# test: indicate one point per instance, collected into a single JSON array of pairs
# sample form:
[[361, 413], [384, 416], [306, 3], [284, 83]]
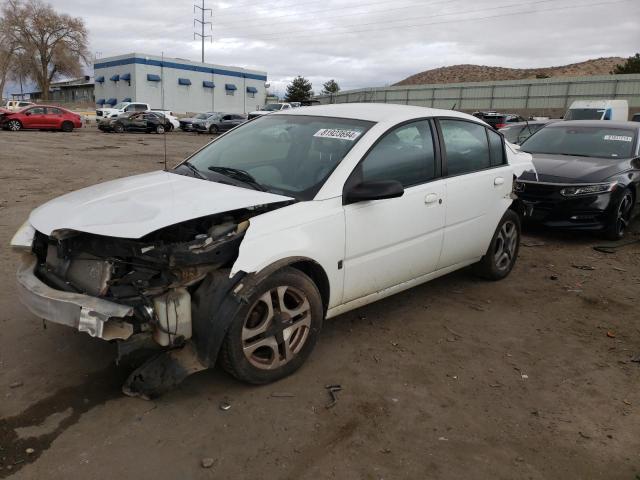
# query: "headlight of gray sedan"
[[23, 238], [588, 189]]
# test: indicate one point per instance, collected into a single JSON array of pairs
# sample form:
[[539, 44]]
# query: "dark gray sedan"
[[218, 122], [519, 132]]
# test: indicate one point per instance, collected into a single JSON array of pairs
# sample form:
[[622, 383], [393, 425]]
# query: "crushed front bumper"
[[95, 316]]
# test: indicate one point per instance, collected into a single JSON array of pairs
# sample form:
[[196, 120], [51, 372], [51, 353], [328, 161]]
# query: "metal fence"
[[548, 96]]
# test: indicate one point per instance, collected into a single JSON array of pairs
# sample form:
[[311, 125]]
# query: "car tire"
[[67, 127], [621, 215], [502, 253], [118, 128], [213, 130], [159, 129], [255, 349], [14, 125]]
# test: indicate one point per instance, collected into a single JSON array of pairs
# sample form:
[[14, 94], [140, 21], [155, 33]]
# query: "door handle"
[[430, 198], [498, 181]]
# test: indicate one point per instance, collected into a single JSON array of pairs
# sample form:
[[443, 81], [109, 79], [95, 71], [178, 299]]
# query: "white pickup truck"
[[121, 108], [271, 107]]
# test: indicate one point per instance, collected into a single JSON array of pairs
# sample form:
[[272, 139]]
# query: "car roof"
[[596, 123], [375, 112], [531, 122]]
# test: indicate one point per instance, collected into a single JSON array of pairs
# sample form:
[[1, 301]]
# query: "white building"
[[186, 86]]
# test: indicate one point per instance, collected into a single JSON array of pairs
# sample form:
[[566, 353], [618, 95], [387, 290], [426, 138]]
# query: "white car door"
[[477, 179], [395, 240]]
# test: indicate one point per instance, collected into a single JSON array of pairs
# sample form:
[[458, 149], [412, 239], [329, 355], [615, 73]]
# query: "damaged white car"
[[239, 253]]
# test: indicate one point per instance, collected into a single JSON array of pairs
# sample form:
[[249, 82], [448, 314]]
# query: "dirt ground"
[[534, 377]]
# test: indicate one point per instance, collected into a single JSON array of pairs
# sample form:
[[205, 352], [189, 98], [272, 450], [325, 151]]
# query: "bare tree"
[[7, 57], [48, 44]]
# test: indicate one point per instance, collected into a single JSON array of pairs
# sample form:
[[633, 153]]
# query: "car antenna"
[[164, 132]]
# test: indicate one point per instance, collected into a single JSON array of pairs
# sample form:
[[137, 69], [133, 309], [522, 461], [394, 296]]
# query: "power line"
[[518, 4], [348, 7], [510, 14], [271, 24]]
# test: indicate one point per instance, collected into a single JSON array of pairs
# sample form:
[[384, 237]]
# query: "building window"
[[251, 92]]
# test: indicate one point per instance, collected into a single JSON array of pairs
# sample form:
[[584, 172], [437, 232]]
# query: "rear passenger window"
[[466, 146], [405, 154], [496, 149]]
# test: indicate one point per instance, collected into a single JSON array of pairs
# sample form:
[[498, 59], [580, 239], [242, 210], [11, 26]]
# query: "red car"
[[42, 117]]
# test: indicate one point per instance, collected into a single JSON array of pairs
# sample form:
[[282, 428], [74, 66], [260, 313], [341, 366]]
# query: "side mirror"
[[27, 113], [374, 190]]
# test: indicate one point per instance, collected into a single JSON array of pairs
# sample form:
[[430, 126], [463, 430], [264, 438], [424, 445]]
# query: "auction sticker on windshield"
[[350, 135], [618, 138]]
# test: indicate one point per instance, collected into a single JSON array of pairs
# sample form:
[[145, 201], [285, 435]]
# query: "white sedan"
[[240, 252]]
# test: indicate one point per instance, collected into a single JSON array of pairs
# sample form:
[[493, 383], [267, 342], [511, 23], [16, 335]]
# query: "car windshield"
[[273, 107], [285, 154], [584, 114], [519, 133], [601, 142], [120, 106]]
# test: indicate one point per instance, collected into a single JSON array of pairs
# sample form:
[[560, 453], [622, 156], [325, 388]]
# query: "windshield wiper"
[[195, 170], [240, 175]]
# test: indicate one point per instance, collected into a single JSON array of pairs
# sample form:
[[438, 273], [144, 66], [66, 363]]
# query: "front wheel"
[[621, 217], [118, 128], [213, 129], [501, 255], [272, 335], [14, 125], [159, 129]]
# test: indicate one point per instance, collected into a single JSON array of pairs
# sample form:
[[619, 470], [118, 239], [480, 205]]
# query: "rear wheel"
[[621, 216], [67, 127], [14, 125], [501, 255], [272, 334]]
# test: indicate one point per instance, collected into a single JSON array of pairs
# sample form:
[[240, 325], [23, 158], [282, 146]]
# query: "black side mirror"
[[374, 190]]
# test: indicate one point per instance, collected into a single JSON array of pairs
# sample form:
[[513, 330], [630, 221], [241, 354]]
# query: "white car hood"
[[259, 112], [132, 207]]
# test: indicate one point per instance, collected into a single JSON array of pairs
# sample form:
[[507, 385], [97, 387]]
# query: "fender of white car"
[[312, 230]]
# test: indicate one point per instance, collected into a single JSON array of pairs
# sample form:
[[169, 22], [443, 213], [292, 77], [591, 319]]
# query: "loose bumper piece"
[[95, 316]]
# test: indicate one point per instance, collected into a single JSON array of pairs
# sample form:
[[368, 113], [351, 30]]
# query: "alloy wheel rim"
[[624, 213], [276, 327], [506, 244], [14, 126]]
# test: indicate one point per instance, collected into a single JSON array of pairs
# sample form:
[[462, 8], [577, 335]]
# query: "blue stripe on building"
[[178, 66]]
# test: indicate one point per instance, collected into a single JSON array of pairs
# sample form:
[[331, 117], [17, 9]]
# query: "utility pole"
[[202, 23]]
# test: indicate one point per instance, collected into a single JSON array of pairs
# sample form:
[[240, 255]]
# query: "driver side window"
[[405, 154]]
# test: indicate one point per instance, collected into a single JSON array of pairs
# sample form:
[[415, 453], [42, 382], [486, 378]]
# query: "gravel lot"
[[531, 378]]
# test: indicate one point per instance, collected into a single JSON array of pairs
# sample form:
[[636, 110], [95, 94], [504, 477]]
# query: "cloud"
[[392, 40]]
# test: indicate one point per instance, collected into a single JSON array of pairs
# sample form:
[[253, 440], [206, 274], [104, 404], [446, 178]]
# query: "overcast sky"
[[364, 43]]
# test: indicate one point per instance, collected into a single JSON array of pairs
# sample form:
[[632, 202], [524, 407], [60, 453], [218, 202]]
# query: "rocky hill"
[[481, 73]]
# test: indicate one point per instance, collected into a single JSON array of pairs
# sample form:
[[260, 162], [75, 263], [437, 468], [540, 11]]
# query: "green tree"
[[631, 65], [299, 90], [51, 44], [330, 87]]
